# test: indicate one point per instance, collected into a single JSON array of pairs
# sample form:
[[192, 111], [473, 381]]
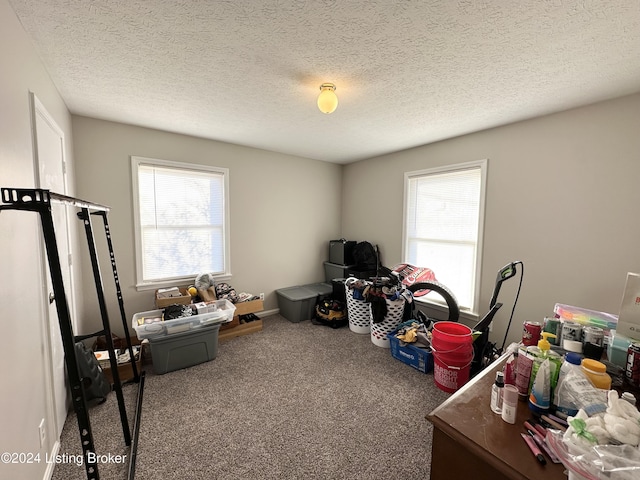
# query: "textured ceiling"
[[407, 72]]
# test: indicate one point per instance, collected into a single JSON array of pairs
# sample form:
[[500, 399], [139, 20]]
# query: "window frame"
[[445, 169], [136, 162]]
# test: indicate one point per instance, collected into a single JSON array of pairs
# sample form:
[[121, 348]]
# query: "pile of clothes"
[[415, 333], [377, 293]]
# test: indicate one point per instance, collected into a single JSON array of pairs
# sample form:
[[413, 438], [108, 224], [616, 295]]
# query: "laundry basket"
[[393, 318], [358, 311]]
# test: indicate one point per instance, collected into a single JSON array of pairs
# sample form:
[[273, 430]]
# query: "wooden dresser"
[[470, 441]]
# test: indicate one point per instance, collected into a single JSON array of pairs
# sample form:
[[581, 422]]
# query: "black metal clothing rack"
[[39, 201]]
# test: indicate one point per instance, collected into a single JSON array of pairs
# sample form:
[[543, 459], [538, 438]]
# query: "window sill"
[[177, 282]]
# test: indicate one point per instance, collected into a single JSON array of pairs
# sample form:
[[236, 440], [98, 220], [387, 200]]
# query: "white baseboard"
[[266, 313], [48, 474]]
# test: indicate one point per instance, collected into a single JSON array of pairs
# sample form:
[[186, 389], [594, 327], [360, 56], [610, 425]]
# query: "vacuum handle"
[[505, 273]]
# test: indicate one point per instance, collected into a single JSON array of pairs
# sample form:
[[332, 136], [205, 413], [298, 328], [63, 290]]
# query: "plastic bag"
[[576, 392], [600, 462]]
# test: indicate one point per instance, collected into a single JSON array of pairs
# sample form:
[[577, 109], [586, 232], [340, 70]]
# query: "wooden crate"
[[233, 323], [183, 299], [244, 308], [125, 371], [242, 329], [235, 328]]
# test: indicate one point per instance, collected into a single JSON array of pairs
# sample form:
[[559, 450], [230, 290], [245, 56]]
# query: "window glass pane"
[[170, 253], [450, 263]]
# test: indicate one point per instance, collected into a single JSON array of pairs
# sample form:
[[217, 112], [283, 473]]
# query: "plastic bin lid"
[[295, 294], [319, 288], [337, 265]]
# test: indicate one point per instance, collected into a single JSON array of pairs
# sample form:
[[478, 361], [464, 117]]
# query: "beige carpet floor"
[[294, 401]]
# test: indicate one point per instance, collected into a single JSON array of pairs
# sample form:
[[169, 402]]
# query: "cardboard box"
[[629, 317], [242, 329], [253, 306], [244, 308], [125, 370], [233, 323], [235, 328], [208, 295], [183, 299]]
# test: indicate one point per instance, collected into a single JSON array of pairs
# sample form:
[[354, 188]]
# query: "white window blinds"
[[443, 225], [181, 221]]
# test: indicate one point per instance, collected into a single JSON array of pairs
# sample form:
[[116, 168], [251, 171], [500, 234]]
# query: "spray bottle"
[[544, 375]]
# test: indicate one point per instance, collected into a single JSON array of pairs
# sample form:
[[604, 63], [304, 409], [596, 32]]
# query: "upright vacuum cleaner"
[[484, 351]]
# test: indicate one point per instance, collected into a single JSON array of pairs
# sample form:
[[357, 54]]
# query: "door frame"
[[37, 108]]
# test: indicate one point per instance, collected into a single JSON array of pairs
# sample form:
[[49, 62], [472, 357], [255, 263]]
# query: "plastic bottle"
[[540, 397], [509, 403], [563, 400], [510, 369], [541, 353], [572, 361], [596, 372], [544, 376], [496, 393], [544, 345]]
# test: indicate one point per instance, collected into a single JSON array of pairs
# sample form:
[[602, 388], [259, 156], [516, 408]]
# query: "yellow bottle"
[[597, 374]]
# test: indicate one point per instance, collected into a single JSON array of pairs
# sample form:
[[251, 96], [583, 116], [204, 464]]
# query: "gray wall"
[[562, 197], [23, 370], [284, 209]]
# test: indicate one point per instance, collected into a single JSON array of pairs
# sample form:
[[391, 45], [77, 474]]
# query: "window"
[[443, 221], [181, 221]]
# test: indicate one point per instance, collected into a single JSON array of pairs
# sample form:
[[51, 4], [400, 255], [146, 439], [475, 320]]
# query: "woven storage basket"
[[358, 311], [393, 318]]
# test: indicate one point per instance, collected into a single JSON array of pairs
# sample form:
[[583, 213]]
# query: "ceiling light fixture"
[[327, 100]]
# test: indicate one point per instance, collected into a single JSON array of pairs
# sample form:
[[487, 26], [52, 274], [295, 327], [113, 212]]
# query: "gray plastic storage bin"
[[296, 303], [334, 270], [320, 288], [184, 350], [151, 324]]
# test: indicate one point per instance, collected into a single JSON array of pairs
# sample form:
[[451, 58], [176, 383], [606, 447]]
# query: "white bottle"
[[496, 393], [509, 403]]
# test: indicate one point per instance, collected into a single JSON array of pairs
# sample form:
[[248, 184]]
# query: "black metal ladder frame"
[[39, 201]]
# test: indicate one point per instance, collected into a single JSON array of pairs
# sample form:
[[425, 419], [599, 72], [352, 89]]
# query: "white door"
[[50, 159]]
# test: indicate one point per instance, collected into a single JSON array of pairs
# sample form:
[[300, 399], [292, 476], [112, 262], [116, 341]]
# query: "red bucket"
[[452, 347]]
